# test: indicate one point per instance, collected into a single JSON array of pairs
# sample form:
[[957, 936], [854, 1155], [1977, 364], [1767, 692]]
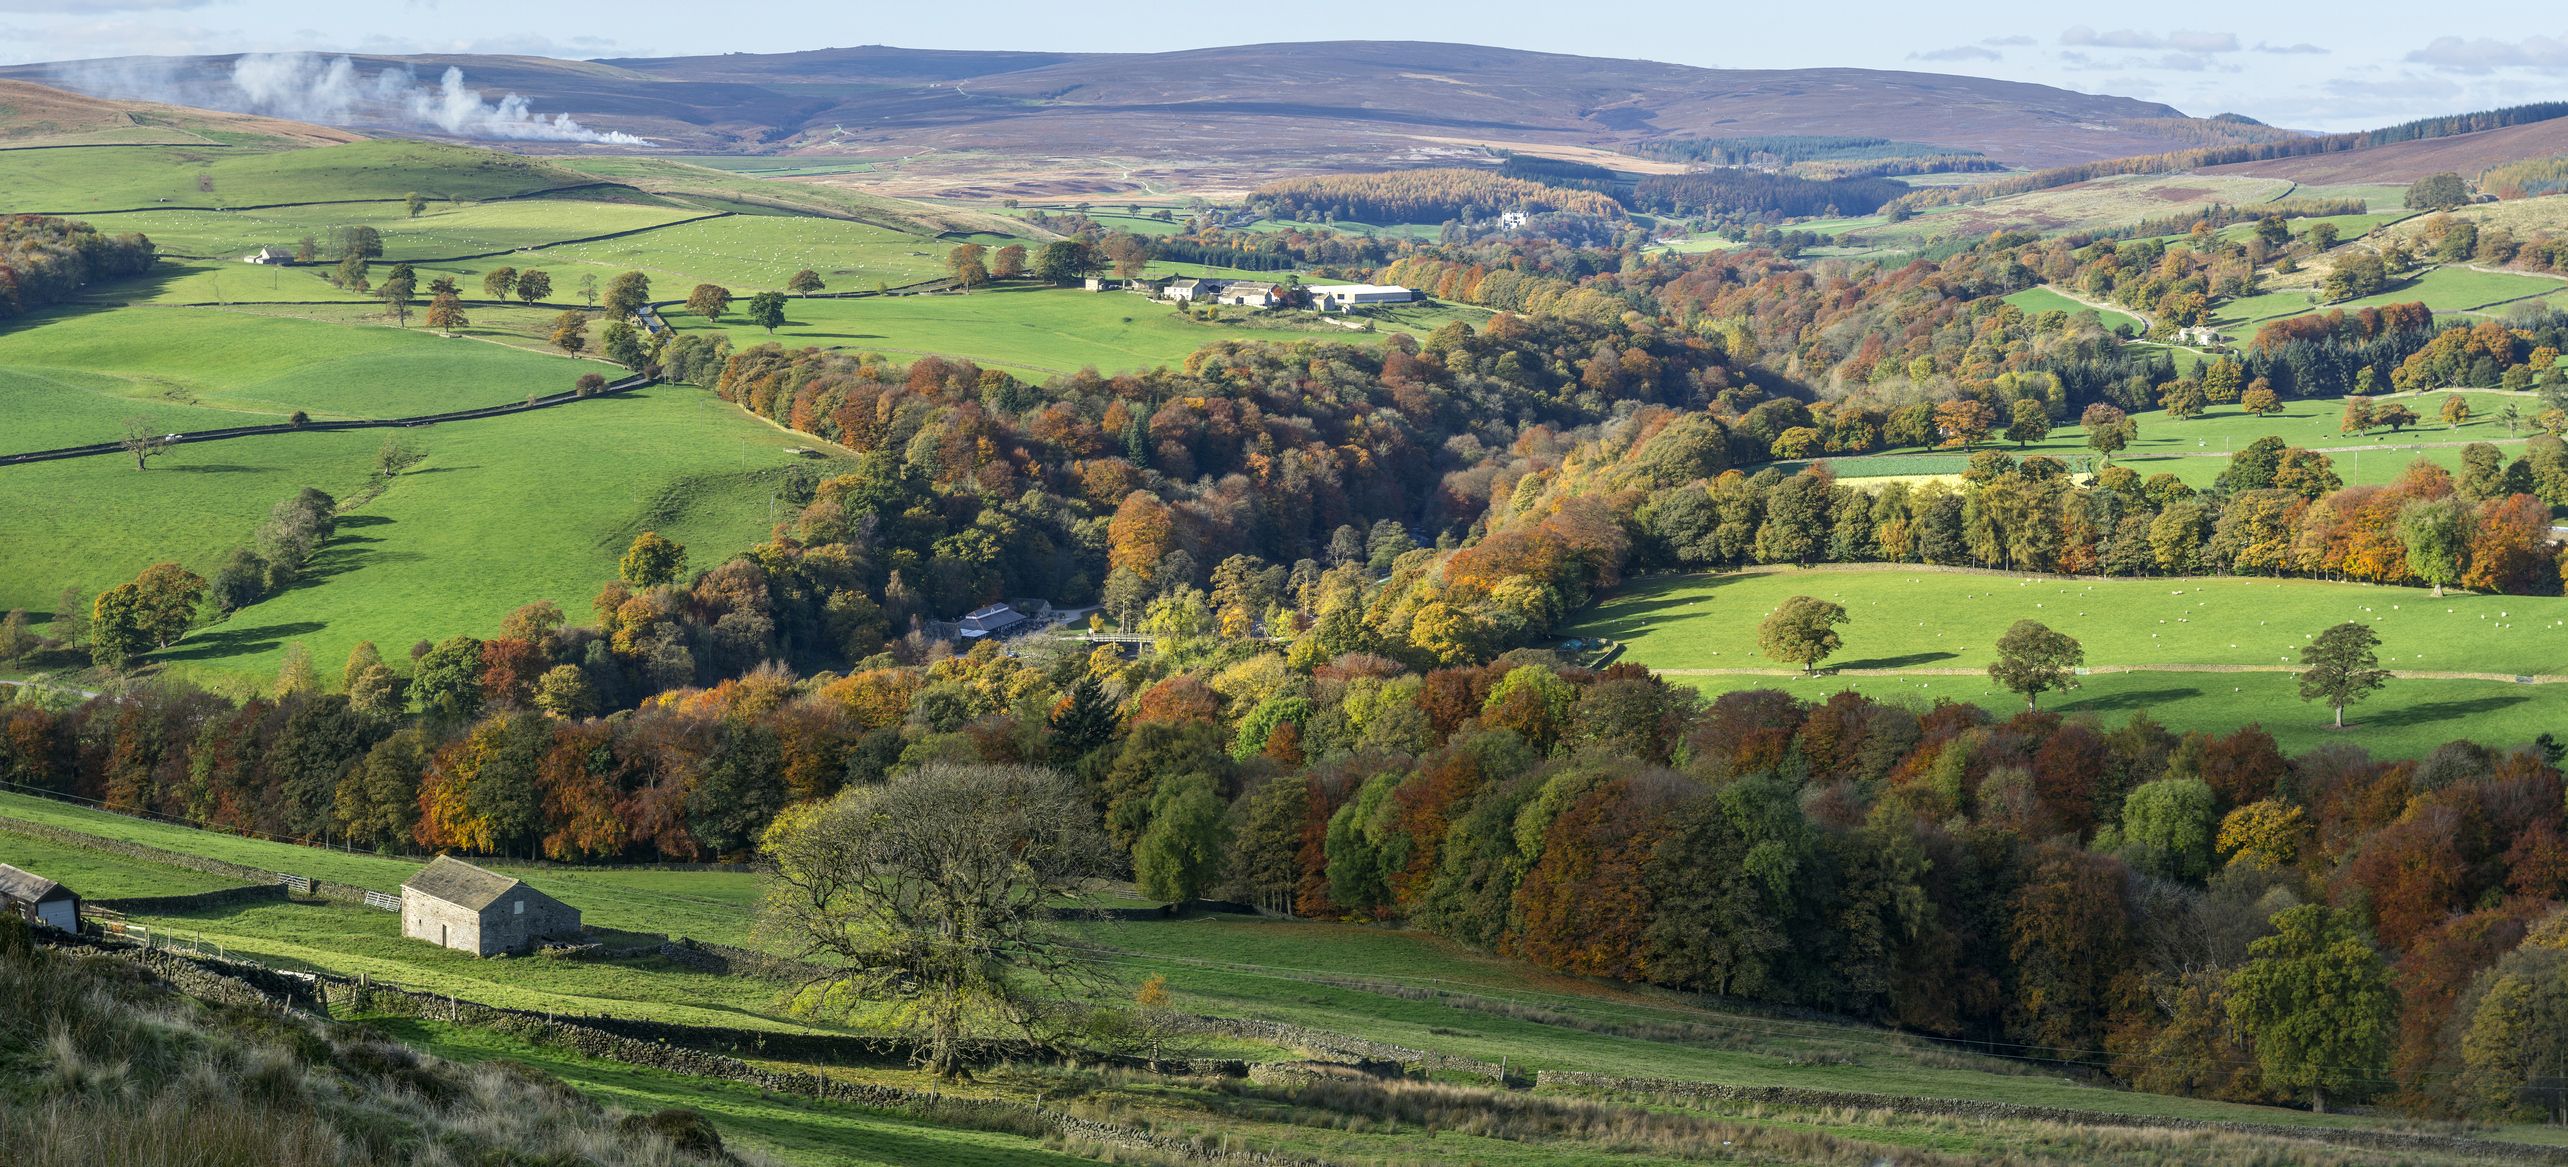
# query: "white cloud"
[[2018, 40], [2481, 54], [2304, 48], [84, 7], [1959, 53], [2181, 40]]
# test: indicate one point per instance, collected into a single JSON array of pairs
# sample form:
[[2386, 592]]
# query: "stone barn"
[[456, 905], [37, 900]]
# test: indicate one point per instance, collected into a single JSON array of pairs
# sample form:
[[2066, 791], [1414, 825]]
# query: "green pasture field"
[[1905, 618], [789, 1129], [2040, 300], [84, 180], [444, 229], [502, 512], [1041, 330], [746, 253], [2356, 467], [2309, 424], [675, 176], [2443, 289], [99, 875], [69, 377]]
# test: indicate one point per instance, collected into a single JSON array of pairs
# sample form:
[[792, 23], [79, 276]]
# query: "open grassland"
[[99, 875], [81, 180], [813, 194], [2175, 632], [69, 377], [1040, 330], [2443, 289], [2040, 300], [502, 512], [445, 229], [746, 253]]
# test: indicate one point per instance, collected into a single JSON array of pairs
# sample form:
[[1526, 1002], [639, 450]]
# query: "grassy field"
[[1037, 330], [2443, 289], [2039, 300], [69, 376], [2167, 628], [746, 253], [449, 548], [444, 229], [99, 875], [77, 180]]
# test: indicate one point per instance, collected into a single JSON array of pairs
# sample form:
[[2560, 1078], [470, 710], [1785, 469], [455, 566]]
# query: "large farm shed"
[[456, 905], [38, 900]]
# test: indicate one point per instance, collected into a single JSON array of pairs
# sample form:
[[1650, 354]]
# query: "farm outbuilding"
[[994, 620], [1249, 294], [1341, 297], [37, 900], [454, 904], [270, 256]]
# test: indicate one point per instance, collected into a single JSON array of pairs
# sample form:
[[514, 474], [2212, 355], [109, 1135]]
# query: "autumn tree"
[[2033, 660], [570, 332], [805, 282], [2357, 418], [2108, 430], [2315, 1001], [2340, 668], [1008, 263], [446, 313], [2456, 411], [652, 560], [1803, 631], [1964, 422], [967, 264], [2260, 400], [932, 897], [2183, 400], [709, 301], [500, 282], [1141, 533]]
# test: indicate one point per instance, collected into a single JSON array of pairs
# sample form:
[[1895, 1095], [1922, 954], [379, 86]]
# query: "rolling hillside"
[[1097, 123]]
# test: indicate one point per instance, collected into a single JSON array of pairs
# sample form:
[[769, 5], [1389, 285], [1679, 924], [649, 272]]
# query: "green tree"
[[2438, 192], [2183, 400], [499, 282], [652, 560], [2315, 1000], [2108, 430], [2514, 1053], [628, 294], [2028, 421], [352, 274], [2340, 668], [2437, 534], [2033, 660], [805, 282], [1803, 631], [2167, 827], [533, 284], [767, 311], [622, 344], [415, 203], [1181, 852], [1067, 261], [447, 681], [932, 897]]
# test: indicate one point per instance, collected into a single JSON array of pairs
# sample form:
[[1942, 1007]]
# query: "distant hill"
[[1210, 118], [41, 115], [2400, 162]]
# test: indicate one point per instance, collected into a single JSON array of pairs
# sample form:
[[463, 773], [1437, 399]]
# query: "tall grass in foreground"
[[102, 1064]]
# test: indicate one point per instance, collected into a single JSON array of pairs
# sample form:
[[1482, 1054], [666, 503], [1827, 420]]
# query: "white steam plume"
[[330, 90]]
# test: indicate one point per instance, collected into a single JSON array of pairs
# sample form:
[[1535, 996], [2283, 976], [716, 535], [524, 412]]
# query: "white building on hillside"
[[1340, 297]]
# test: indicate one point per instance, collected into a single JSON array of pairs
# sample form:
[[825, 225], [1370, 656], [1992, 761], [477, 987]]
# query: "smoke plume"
[[333, 91]]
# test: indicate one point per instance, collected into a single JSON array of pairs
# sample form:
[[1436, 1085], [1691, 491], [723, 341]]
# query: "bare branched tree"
[[936, 892]]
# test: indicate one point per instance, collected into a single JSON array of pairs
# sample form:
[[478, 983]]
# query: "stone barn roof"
[[29, 887], [459, 883]]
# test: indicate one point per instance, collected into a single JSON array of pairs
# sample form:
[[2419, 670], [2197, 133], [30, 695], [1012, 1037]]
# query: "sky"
[[2352, 64]]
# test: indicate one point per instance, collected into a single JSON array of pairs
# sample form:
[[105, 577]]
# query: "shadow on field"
[[360, 521], [2136, 699], [2433, 711], [1911, 660], [227, 641], [208, 468]]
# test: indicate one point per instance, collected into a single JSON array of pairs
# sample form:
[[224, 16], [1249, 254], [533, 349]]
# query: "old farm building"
[[38, 900], [457, 905]]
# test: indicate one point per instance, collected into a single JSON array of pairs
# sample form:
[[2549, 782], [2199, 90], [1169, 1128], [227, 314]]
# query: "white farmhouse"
[[1340, 297]]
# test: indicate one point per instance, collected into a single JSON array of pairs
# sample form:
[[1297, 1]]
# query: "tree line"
[[47, 260]]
